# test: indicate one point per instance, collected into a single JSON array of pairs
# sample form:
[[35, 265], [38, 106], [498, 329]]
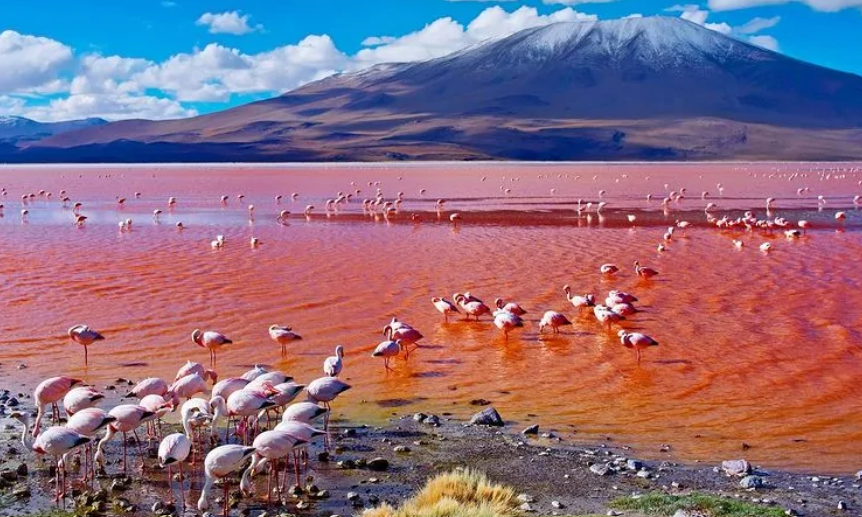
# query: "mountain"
[[16, 129], [649, 88]]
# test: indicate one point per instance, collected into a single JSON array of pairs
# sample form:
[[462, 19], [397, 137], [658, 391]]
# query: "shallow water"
[[755, 348]]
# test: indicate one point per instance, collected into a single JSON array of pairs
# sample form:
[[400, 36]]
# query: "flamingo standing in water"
[[554, 320], [404, 334], [80, 398], [174, 450], [445, 307], [304, 412], [387, 350], [219, 464], [50, 391], [211, 340], [84, 336], [643, 271], [332, 365], [270, 447], [606, 316], [325, 390], [247, 403], [59, 442], [283, 336], [471, 305], [512, 307], [88, 422], [301, 431], [608, 269], [579, 302], [637, 341], [196, 368], [507, 322]]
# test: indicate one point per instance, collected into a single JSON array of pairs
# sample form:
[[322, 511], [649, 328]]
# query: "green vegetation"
[[462, 493], [657, 503]]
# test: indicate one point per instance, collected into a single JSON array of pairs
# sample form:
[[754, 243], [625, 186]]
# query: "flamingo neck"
[[100, 455], [245, 481], [205, 494]]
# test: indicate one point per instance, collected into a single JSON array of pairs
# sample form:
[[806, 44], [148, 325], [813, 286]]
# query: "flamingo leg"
[[86, 358], [125, 471], [170, 485], [295, 468], [226, 496], [182, 489], [272, 466], [639, 356]]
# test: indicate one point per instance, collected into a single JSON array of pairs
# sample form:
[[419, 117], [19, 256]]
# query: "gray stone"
[[420, 417], [22, 469], [432, 420], [526, 507], [401, 449], [751, 482], [736, 467], [378, 464], [842, 505], [634, 464], [525, 498], [488, 417], [533, 429], [558, 505], [600, 469]]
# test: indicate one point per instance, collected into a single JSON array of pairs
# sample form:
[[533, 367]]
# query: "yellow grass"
[[462, 493]]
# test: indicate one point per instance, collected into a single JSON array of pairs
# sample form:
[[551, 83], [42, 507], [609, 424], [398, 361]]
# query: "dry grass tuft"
[[462, 493]]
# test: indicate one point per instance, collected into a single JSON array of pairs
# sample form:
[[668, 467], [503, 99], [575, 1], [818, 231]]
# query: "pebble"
[[558, 505], [526, 507], [487, 417], [600, 469], [378, 464], [751, 482], [634, 464], [842, 505], [736, 467], [525, 498], [401, 449], [533, 429]]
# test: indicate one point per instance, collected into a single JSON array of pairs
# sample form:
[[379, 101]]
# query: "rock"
[[842, 505], [614, 513], [22, 492], [526, 507], [600, 469], [557, 505], [353, 497], [158, 508], [302, 505], [533, 429], [349, 432], [420, 417], [643, 474], [9, 475], [525, 498], [22, 469], [859, 475], [736, 467], [401, 449], [346, 464], [323, 456], [432, 420], [322, 494], [373, 499], [480, 402], [13, 402], [488, 417], [634, 464], [378, 464], [751, 482]]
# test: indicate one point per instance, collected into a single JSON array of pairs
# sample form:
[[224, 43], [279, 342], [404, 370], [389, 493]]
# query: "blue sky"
[[165, 59]]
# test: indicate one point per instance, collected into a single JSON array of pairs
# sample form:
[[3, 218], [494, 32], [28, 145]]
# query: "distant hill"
[[635, 89], [20, 129]]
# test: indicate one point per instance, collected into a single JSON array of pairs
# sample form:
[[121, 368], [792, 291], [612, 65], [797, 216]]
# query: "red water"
[[755, 348]]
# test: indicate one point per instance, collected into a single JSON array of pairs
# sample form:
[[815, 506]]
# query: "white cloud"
[[445, 35], [576, 2], [111, 107], [767, 42], [373, 41], [817, 5], [229, 22], [695, 14], [31, 63], [632, 16], [756, 25]]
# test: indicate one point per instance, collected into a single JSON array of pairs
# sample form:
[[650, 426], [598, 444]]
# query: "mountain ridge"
[[649, 88]]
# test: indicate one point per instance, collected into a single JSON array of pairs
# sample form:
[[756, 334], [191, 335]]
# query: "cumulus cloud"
[[445, 35], [576, 2], [818, 5], [756, 25], [767, 42], [111, 107], [747, 31], [31, 63], [230, 22]]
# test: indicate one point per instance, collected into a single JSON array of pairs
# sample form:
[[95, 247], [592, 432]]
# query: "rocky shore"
[[370, 465]]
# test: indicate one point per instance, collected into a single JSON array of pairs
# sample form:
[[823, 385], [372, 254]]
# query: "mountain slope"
[[649, 88]]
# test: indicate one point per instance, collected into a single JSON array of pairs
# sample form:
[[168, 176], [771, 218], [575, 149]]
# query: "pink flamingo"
[[606, 316], [507, 322], [283, 336], [270, 447], [637, 341], [405, 336], [148, 386], [301, 431], [472, 307], [88, 422], [643, 271], [196, 368], [84, 336], [609, 269], [219, 464], [387, 350], [81, 398], [332, 365], [325, 390], [128, 418], [304, 412], [554, 320], [161, 406], [187, 387], [445, 307], [211, 340], [50, 391], [247, 403], [195, 413], [174, 450], [579, 302], [512, 307], [59, 442]]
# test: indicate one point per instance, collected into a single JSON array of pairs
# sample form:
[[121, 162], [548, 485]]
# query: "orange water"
[[762, 349]]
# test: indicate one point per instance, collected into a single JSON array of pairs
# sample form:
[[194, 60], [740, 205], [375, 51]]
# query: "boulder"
[[487, 417]]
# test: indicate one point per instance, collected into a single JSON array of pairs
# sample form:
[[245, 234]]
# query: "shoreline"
[[552, 476]]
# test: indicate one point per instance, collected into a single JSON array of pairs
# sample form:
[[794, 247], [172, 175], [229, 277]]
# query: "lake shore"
[[551, 475]]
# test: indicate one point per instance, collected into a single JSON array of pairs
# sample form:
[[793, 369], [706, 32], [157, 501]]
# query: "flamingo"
[[766, 247], [608, 269], [512, 307], [606, 316], [471, 307], [579, 302], [332, 365], [445, 307], [247, 403], [148, 386], [325, 390], [196, 368], [637, 341], [554, 320], [211, 340], [128, 418], [387, 350], [271, 446], [195, 413], [270, 379], [187, 387], [84, 336], [302, 431], [644, 272], [404, 334], [88, 422], [51, 391], [159, 405], [804, 225], [59, 442], [304, 412], [174, 450], [81, 398], [615, 297], [220, 463], [254, 373], [283, 336], [506, 321]]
